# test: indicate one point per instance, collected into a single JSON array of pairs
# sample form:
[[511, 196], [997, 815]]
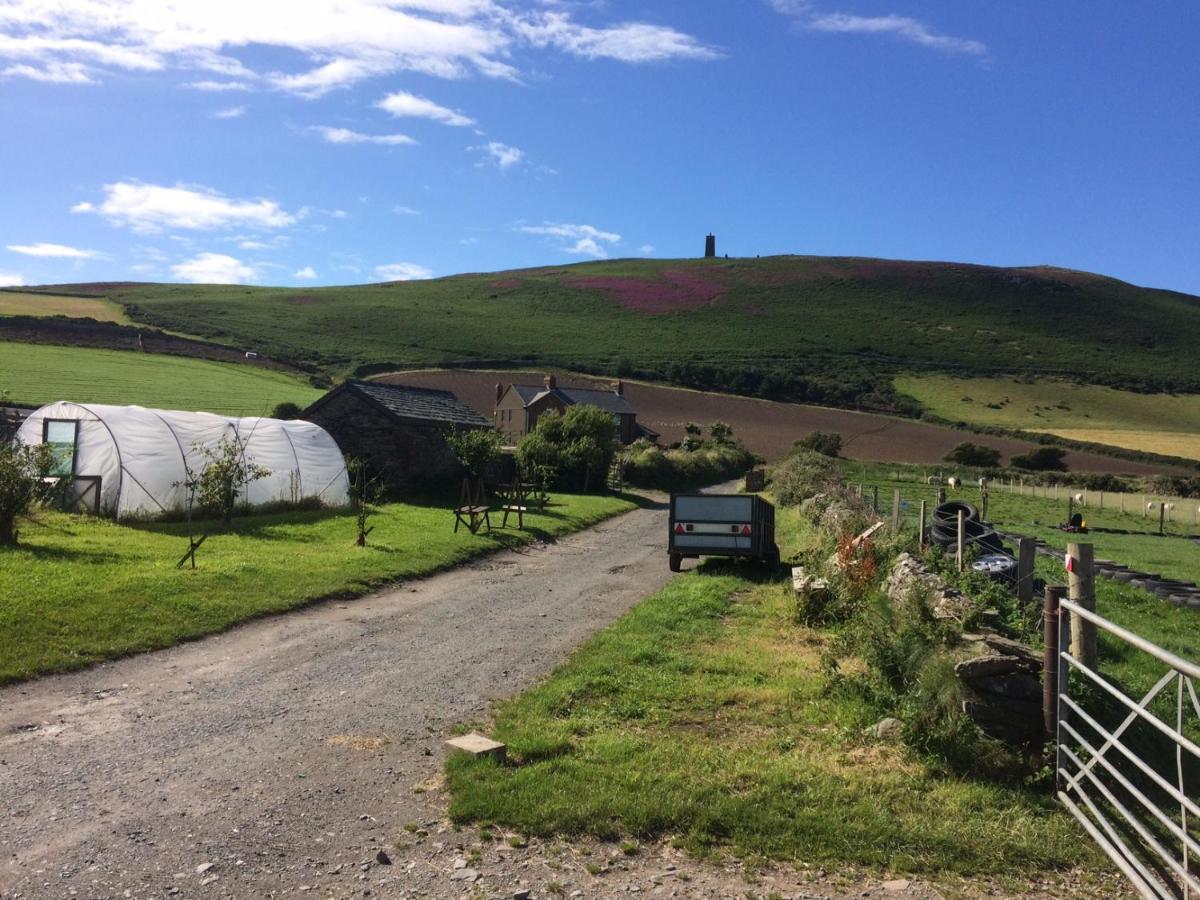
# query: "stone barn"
[[397, 430]]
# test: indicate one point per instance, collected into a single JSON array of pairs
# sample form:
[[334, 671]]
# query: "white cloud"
[[631, 42], [218, 86], [405, 210], [56, 251], [53, 72], [404, 271], [580, 240], [308, 273], [504, 156], [337, 42], [346, 136], [646, 250], [151, 208], [405, 105], [233, 112], [214, 268], [11, 279], [899, 27]]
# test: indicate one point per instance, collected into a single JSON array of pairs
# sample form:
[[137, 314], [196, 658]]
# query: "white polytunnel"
[[132, 461]]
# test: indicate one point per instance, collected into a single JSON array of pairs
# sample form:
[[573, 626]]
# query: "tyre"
[[675, 562]]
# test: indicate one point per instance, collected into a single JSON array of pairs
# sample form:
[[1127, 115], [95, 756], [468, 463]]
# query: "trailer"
[[721, 525]]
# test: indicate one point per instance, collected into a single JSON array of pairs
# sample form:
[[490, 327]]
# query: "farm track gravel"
[[290, 746]]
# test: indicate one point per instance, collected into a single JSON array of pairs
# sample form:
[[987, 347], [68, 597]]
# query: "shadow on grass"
[[752, 570]]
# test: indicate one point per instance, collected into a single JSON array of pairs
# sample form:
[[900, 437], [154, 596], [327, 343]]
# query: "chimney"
[[710, 246], [619, 387], [499, 391], [550, 382]]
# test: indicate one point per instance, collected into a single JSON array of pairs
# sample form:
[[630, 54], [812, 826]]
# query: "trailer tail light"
[[745, 531]]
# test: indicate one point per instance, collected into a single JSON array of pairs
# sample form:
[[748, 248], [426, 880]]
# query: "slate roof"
[[428, 404], [609, 401]]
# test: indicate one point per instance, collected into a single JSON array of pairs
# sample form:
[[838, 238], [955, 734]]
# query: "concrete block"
[[478, 745]]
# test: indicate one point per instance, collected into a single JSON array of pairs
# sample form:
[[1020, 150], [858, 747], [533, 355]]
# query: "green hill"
[[830, 330]]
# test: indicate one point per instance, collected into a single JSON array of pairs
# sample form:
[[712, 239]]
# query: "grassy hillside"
[[1161, 423], [30, 303], [39, 373], [829, 329]]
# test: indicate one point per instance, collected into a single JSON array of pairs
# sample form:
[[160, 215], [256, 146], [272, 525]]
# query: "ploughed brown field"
[[767, 427]]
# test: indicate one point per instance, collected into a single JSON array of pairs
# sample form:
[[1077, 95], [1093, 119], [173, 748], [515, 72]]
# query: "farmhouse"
[[399, 432], [519, 406]]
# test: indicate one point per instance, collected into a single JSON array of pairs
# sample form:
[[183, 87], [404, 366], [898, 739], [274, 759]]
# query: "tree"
[[1042, 459], [287, 410], [578, 445], [365, 494], [693, 437], [970, 454], [827, 443], [475, 448], [225, 474], [24, 483]]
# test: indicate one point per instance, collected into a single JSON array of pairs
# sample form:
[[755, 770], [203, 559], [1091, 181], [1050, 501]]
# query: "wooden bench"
[[473, 510]]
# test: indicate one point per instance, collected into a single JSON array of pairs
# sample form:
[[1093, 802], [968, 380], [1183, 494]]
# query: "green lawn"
[[42, 373], [1154, 423], [704, 713], [80, 590]]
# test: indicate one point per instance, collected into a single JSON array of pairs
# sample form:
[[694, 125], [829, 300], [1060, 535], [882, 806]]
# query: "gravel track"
[[251, 762]]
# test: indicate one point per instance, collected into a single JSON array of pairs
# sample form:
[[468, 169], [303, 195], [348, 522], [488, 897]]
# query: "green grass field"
[[704, 714], [81, 590], [1154, 423], [41, 373], [792, 313], [22, 303]]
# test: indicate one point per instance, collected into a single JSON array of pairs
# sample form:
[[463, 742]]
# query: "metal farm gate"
[[1132, 781]]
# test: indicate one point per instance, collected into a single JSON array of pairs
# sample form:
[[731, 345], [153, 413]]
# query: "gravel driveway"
[[249, 763]]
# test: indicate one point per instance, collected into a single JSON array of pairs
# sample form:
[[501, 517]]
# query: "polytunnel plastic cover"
[[142, 455]]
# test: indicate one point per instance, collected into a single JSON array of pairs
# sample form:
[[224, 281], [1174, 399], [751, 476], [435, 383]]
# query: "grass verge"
[[704, 714], [81, 590]]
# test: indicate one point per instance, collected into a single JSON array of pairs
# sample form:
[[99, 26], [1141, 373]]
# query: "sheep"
[[954, 481]]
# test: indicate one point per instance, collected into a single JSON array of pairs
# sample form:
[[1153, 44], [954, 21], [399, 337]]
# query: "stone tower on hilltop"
[[710, 246]]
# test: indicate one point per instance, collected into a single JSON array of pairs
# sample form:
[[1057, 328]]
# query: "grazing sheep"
[[954, 482], [934, 479], [983, 483], [1079, 498]]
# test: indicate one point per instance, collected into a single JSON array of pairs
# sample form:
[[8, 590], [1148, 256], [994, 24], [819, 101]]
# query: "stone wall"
[[406, 455]]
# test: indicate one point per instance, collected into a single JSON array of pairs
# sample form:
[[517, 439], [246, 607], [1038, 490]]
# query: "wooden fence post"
[[941, 496], [921, 533], [1162, 514], [896, 510], [1081, 562], [960, 544], [875, 498], [1026, 557]]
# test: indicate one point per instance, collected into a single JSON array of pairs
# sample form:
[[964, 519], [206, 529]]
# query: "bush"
[[476, 449], [827, 443], [575, 449], [24, 471], [978, 455], [674, 470], [802, 474], [287, 410], [1042, 459]]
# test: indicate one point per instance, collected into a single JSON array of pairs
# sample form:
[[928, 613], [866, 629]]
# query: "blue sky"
[[342, 141]]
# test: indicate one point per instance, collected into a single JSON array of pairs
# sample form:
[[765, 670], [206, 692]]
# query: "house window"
[[62, 435]]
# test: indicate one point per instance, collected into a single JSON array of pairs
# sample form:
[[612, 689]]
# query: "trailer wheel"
[[676, 562], [772, 559]]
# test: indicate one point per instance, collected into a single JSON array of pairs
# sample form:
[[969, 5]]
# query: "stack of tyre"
[[993, 559]]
